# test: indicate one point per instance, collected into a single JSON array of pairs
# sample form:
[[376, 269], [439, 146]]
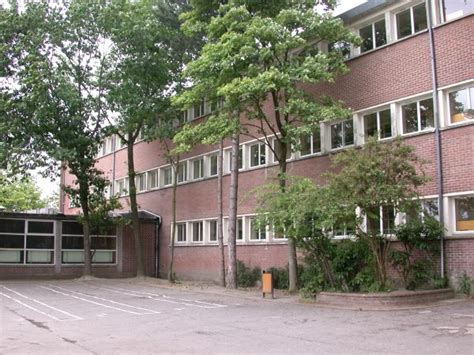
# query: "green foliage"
[[280, 277], [465, 284], [311, 280], [246, 276], [440, 282], [18, 195]]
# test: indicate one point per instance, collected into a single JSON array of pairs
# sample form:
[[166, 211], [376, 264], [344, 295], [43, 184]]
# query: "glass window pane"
[[72, 243], [457, 8], [305, 142], [103, 257], [316, 141], [373, 220], [181, 231], [39, 242], [72, 228], [464, 214], [380, 33], [39, 257], [404, 24], [341, 47], [103, 243], [348, 132], [410, 118], [385, 124], [197, 169], [240, 229], [370, 123], [213, 231], [426, 114], [12, 226], [72, 257], [367, 40], [388, 219], [197, 232], [182, 172], [336, 135], [458, 105], [12, 241], [419, 15], [11, 256], [213, 167]]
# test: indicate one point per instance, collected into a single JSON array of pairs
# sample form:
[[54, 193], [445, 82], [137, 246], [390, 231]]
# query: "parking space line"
[[165, 298], [89, 301], [30, 307], [149, 311], [43, 304]]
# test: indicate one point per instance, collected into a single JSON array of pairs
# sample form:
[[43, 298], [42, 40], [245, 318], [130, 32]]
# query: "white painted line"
[[107, 300], [463, 315], [28, 306], [43, 304], [89, 301]]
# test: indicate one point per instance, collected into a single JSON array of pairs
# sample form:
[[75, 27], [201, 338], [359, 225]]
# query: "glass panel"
[[72, 228], [426, 113], [240, 229], [380, 33], [373, 220], [103, 257], [11, 256], [167, 176], [12, 226], [103, 243], [419, 15], [72, 243], [257, 234], [404, 24], [367, 40], [181, 230], [197, 169], [370, 123], [39, 242], [254, 155], [457, 8], [197, 232], [39, 257], [182, 172], [348, 132], [464, 214], [72, 257], [459, 105], [305, 142], [410, 118], [388, 219], [277, 147], [213, 168], [153, 179], [336, 135], [12, 241], [385, 124], [316, 141], [213, 231], [430, 208], [343, 48]]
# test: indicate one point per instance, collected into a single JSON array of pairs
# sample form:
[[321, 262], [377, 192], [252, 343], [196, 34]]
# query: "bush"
[[311, 280], [247, 277], [465, 284], [280, 277]]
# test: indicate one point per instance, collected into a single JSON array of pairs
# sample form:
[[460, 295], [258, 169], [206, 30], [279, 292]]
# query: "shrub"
[[311, 280], [247, 277], [280, 277], [465, 284], [440, 282]]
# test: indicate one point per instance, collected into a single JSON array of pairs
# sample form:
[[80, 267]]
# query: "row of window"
[[380, 220], [33, 242]]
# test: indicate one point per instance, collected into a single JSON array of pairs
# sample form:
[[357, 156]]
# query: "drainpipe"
[[114, 153], [157, 246], [438, 151]]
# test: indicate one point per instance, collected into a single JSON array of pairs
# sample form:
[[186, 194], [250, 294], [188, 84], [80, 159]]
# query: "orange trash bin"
[[267, 283]]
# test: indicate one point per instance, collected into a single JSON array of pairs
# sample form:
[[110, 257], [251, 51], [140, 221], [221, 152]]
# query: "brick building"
[[390, 90]]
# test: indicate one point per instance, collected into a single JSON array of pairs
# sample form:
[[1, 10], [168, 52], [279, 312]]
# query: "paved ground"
[[138, 317]]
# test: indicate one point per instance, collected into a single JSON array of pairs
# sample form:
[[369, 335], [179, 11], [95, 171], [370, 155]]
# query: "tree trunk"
[[231, 243], [132, 191], [220, 228], [87, 232], [173, 226]]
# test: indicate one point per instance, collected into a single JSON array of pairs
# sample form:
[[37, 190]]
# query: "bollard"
[[267, 283]]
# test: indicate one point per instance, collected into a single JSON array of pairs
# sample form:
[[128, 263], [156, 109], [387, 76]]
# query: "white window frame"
[[377, 112], [261, 146], [200, 232], [155, 172], [372, 25], [251, 221], [208, 233], [344, 145], [470, 99], [167, 171], [183, 175], [209, 159], [140, 185], [200, 161], [184, 227], [412, 20], [418, 115], [454, 218], [311, 144]]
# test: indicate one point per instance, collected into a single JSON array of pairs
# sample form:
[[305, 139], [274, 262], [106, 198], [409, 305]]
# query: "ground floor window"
[[464, 208], [381, 220]]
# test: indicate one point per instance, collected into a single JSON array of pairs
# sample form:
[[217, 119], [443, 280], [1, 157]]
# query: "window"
[[310, 143], [342, 134], [241, 159], [417, 116], [378, 124], [257, 154], [257, 233], [428, 207], [181, 232], [411, 21], [343, 230], [182, 172], [119, 142], [277, 148], [239, 235], [464, 207], [199, 109], [183, 118], [373, 36], [167, 176], [340, 47], [381, 220], [457, 8], [213, 231], [197, 232], [461, 105], [198, 168], [122, 187], [153, 179], [213, 165], [140, 182]]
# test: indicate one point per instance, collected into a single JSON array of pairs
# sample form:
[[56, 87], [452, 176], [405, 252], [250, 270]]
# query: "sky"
[[49, 187]]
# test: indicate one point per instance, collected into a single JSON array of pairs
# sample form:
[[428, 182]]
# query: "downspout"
[[157, 246], [438, 151], [112, 186]]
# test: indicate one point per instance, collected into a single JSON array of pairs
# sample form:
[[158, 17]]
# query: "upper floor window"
[[213, 231], [373, 36], [122, 187], [378, 124], [213, 165], [257, 154], [199, 109], [167, 176], [197, 231], [256, 231], [341, 47], [464, 207], [153, 179], [342, 134], [417, 116], [140, 182], [240, 163], [461, 104], [182, 172], [198, 168], [411, 20], [277, 149], [181, 232], [457, 8], [310, 143]]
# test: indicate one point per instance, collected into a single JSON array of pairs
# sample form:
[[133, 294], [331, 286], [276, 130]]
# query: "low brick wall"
[[397, 299]]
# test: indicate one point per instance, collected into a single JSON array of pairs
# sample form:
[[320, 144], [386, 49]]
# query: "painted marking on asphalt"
[[89, 301], [43, 304], [459, 315], [28, 306], [150, 311]]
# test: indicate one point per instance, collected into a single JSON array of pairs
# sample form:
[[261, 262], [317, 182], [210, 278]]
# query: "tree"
[[147, 54], [18, 195], [257, 61], [378, 180], [53, 93]]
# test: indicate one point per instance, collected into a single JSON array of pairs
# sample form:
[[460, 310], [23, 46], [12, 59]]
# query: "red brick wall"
[[459, 258]]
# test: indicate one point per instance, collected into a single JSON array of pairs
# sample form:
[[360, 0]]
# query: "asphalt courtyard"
[[144, 316]]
